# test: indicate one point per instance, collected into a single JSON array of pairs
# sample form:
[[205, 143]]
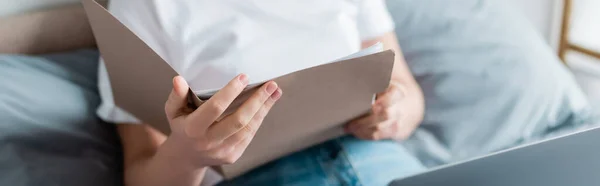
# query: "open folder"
[[317, 101]]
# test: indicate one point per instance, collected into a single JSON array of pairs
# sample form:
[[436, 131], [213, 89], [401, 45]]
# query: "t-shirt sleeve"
[[108, 111], [373, 19]]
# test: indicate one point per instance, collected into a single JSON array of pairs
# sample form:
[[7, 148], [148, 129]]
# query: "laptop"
[[571, 160]]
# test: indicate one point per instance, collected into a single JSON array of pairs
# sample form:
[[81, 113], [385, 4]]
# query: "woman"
[[209, 42]]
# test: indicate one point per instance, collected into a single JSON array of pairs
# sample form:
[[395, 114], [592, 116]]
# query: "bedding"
[[490, 80], [8, 8], [49, 133]]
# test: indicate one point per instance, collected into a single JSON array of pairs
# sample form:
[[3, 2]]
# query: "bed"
[[489, 79]]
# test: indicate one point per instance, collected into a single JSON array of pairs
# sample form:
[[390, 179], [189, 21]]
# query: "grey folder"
[[315, 104]]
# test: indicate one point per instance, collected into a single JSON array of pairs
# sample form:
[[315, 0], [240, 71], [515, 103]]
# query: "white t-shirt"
[[210, 42]]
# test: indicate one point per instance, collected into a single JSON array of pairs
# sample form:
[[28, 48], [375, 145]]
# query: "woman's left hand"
[[385, 121]]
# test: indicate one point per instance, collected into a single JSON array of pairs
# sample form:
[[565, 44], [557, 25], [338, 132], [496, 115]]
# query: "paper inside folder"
[[377, 47]]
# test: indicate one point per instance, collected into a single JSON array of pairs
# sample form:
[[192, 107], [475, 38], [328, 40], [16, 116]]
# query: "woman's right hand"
[[199, 139]]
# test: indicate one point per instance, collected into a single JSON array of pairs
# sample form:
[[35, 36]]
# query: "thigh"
[[378, 163], [300, 168], [342, 161]]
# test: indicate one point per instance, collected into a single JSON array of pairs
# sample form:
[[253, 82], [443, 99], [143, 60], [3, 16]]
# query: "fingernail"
[[277, 94], [271, 87], [243, 79]]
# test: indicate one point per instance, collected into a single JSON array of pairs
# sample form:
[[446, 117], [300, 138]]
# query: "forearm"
[[151, 160], [164, 168], [414, 99], [53, 30]]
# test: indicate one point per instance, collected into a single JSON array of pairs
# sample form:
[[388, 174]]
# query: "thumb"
[[177, 101]]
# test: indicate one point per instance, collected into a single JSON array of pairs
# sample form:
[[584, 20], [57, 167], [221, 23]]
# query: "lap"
[[342, 161]]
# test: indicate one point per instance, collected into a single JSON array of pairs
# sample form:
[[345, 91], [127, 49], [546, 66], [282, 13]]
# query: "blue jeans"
[[342, 161]]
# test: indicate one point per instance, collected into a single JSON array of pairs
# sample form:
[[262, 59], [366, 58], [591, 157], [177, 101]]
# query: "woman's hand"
[[201, 140], [398, 111], [386, 119]]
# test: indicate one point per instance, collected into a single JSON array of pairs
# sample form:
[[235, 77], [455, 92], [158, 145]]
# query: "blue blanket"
[[49, 133]]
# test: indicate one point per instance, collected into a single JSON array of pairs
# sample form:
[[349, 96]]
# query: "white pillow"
[[489, 79]]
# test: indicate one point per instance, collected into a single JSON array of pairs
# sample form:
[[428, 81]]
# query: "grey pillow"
[[489, 79], [50, 134]]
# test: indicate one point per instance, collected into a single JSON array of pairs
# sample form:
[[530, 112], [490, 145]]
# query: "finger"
[[378, 116], [390, 113], [242, 117], [244, 138], [231, 153], [357, 123], [251, 106], [208, 112], [375, 126], [177, 101], [240, 147], [365, 134], [380, 131], [390, 97], [250, 130], [388, 130]]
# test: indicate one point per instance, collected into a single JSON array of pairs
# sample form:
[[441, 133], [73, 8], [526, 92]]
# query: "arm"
[[398, 111], [53, 30], [196, 141], [145, 166]]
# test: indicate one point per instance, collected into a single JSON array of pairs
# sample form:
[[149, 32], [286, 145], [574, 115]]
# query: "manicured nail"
[[175, 80], [243, 79], [271, 87], [277, 94]]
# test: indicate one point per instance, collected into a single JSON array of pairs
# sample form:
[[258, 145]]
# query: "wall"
[[585, 24], [545, 15], [585, 29]]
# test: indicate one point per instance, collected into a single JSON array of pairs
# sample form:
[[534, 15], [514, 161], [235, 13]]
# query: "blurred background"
[[581, 28]]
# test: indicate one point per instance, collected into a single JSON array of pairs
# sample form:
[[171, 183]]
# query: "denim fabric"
[[342, 161]]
